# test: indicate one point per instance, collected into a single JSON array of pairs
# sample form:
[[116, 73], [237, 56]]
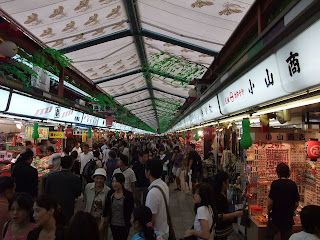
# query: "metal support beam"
[[164, 38], [96, 41], [136, 102], [127, 93], [125, 74], [173, 94], [136, 32], [61, 83], [135, 109]]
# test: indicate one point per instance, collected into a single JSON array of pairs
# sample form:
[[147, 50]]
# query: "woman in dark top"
[[47, 214], [26, 176], [283, 201], [224, 224], [118, 209]]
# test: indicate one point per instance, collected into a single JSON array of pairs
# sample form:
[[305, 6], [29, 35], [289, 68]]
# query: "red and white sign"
[[109, 121], [68, 132]]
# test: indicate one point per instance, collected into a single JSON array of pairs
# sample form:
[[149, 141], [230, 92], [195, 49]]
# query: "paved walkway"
[[181, 209]]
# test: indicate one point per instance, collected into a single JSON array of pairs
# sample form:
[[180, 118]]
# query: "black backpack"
[[88, 170]]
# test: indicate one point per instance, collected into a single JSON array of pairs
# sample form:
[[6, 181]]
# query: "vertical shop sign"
[[43, 133]]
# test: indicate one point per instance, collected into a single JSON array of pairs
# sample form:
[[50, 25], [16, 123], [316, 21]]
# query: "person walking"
[[105, 153], [283, 201], [20, 225], [123, 164], [155, 198], [195, 164], [47, 215], [168, 158], [94, 197], [65, 187], [225, 219], [110, 166], [118, 208], [177, 165], [142, 183], [7, 190], [203, 198], [54, 159], [141, 222], [78, 149], [26, 176]]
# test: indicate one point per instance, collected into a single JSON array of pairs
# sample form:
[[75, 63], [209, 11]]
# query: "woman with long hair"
[[224, 224], [141, 219], [203, 198], [177, 166], [25, 175], [47, 214], [20, 225], [118, 208], [82, 226]]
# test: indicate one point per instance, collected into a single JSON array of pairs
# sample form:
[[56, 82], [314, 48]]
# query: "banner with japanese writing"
[[43, 133]]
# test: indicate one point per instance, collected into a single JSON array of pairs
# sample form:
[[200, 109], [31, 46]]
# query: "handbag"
[[172, 235]]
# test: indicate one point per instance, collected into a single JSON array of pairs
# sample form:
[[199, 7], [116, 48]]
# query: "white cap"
[[100, 172]]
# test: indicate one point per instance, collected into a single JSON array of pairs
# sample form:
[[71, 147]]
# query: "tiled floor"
[[181, 209]]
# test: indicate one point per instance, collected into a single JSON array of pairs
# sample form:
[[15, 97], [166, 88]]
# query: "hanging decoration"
[[109, 121], [68, 132], [246, 140], [127, 134], [117, 134], [183, 135], [196, 137], [84, 137], [35, 134], [209, 133], [312, 149], [180, 134], [89, 133], [123, 134]]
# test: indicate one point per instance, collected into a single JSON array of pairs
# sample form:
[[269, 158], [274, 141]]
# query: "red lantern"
[[312, 149], [68, 132], [180, 134], [209, 133], [109, 121], [188, 135], [123, 134]]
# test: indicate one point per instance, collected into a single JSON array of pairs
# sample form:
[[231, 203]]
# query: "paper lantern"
[[35, 134], [8, 49], [209, 133], [246, 140], [180, 134], [89, 133], [109, 121], [123, 134], [68, 132], [196, 137], [183, 135], [312, 149], [188, 134]]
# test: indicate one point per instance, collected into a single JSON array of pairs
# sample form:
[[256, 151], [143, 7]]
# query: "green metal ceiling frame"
[[96, 41], [137, 101], [134, 91], [165, 38], [132, 14], [125, 74]]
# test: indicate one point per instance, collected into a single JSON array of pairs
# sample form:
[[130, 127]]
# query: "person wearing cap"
[[94, 197]]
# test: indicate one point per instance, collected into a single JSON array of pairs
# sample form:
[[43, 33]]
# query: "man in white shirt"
[[54, 160], [106, 153], [128, 173], [85, 157], [105, 145], [155, 199], [77, 148]]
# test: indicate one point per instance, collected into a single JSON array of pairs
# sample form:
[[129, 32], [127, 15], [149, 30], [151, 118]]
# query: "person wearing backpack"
[[84, 158], [195, 164], [89, 169]]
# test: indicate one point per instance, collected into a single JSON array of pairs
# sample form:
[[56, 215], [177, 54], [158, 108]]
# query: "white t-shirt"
[[128, 175], [78, 150], [156, 203], [203, 213], [125, 151], [55, 160], [105, 155], [84, 159], [303, 236]]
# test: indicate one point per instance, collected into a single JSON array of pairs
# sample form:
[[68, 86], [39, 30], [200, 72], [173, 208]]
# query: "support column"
[[61, 83]]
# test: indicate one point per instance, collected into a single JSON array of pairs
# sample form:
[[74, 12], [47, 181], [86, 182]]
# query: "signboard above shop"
[[27, 106]]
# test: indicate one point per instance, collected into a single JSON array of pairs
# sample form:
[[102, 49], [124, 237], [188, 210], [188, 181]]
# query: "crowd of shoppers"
[[125, 186]]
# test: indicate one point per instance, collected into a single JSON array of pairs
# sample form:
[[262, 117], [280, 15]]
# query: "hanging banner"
[[43, 133]]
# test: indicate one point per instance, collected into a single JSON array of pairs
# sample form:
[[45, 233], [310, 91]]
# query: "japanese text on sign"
[[43, 133], [56, 134]]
